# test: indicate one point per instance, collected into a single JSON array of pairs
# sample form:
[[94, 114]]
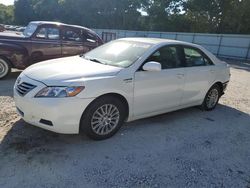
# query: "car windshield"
[[119, 53], [30, 29]]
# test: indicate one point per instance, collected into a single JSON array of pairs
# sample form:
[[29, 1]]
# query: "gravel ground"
[[187, 148]]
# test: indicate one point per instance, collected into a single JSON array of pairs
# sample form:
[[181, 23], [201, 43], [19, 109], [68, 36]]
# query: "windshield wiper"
[[95, 60]]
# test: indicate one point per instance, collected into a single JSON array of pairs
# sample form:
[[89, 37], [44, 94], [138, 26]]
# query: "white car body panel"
[[65, 113], [166, 85], [67, 70], [197, 83], [147, 93]]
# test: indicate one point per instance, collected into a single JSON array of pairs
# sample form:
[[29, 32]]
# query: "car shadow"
[[14, 74], [26, 139], [6, 84]]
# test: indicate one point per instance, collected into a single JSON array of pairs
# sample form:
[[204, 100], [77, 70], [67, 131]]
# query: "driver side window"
[[50, 33], [167, 56]]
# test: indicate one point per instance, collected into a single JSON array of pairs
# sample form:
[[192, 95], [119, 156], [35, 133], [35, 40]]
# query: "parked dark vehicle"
[[20, 29], [2, 28], [42, 41]]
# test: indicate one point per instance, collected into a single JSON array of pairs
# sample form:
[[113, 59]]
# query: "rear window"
[[71, 35], [89, 37], [195, 58]]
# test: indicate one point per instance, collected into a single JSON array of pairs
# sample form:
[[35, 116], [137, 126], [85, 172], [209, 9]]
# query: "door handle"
[[180, 75], [128, 80], [212, 71]]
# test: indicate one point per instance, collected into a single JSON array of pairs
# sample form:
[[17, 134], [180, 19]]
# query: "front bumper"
[[225, 86], [61, 115]]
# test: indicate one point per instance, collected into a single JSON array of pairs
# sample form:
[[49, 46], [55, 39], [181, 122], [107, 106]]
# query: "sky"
[[7, 2]]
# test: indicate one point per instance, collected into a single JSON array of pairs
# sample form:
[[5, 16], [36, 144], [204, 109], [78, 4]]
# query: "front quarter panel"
[[118, 84]]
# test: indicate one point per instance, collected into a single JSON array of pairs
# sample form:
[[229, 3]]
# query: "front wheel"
[[103, 118], [4, 68], [212, 98]]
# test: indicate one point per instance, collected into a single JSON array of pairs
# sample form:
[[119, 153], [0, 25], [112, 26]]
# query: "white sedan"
[[123, 80]]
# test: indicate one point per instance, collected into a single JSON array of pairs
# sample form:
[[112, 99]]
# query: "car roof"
[[59, 23], [156, 41]]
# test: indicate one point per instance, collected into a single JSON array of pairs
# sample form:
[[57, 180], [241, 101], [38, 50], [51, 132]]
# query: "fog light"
[[46, 122]]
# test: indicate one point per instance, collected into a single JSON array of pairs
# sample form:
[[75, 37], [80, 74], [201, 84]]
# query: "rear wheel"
[[5, 68], [103, 118], [212, 98]]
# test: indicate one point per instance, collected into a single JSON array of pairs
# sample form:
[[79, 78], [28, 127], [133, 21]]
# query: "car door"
[[72, 41], [200, 74], [46, 43], [162, 90]]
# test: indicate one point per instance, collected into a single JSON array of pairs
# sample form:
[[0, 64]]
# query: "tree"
[[218, 16], [214, 16], [23, 11], [6, 14]]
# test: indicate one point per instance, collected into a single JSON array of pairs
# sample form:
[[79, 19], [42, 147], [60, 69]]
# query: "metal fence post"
[[218, 51], [248, 51], [176, 36], [193, 38]]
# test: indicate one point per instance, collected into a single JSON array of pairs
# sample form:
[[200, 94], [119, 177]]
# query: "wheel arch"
[[15, 54], [112, 94], [8, 60], [217, 84], [220, 84]]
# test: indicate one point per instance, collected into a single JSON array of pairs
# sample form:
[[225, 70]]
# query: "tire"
[[97, 123], [5, 68], [212, 98]]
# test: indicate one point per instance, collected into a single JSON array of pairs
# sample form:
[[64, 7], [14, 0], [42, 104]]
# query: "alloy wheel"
[[105, 119], [3, 68], [212, 98]]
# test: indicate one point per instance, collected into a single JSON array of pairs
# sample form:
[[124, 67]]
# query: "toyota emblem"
[[18, 81]]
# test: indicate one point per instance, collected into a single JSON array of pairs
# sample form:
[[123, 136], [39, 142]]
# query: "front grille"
[[24, 88]]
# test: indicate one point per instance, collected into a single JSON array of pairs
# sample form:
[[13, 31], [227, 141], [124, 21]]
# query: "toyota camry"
[[123, 80]]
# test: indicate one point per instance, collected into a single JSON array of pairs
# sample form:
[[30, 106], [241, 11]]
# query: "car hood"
[[63, 71], [11, 35]]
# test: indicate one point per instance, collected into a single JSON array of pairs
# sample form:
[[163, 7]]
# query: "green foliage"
[[6, 14], [213, 16], [23, 11], [218, 16]]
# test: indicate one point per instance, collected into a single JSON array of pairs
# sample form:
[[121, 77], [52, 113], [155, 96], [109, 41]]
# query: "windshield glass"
[[118, 53], [30, 29]]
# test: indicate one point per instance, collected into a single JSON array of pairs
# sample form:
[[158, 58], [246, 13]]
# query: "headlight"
[[59, 92]]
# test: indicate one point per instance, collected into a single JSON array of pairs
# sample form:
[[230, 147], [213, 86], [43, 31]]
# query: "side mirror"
[[152, 66]]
